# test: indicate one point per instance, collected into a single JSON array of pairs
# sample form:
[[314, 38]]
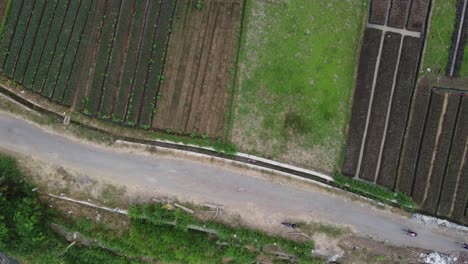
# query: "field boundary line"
[[403, 32], [460, 28]]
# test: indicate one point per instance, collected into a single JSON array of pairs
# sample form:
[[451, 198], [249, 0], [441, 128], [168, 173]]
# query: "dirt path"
[[257, 200]]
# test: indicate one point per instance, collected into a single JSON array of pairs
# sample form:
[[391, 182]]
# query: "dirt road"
[[256, 199]]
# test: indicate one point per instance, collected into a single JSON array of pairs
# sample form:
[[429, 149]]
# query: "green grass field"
[[439, 39], [295, 80]]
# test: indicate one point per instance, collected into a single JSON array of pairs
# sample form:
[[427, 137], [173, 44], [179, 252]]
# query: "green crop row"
[[131, 61], [156, 64], [61, 48], [49, 49], [41, 40], [29, 39], [10, 30], [102, 60], [72, 49], [117, 56], [79, 72], [5, 18], [141, 74], [20, 31]]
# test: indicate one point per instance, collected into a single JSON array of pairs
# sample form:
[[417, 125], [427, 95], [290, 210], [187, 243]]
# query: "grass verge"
[[378, 193], [439, 39], [296, 76]]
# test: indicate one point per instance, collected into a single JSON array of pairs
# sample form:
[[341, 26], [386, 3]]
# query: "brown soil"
[[201, 54], [91, 51]]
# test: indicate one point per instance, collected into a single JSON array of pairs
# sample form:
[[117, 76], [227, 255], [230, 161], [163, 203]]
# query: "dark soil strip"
[[9, 34], [382, 93], [418, 13], [109, 60], [428, 146], [18, 37], [459, 37], [398, 13], [441, 158], [85, 79], [154, 77], [413, 137], [72, 51], [103, 56], [461, 192], [119, 56], [33, 15], [404, 86], [131, 64], [62, 47], [51, 45], [39, 45], [446, 193], [30, 41], [139, 62], [379, 11], [81, 60], [365, 76]]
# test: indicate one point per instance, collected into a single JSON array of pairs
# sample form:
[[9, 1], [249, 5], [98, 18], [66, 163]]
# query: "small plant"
[[193, 135], [169, 131], [199, 5]]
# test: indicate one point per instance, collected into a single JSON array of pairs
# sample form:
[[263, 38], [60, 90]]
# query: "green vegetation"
[[375, 192], [439, 39], [297, 64], [26, 235], [5, 18]]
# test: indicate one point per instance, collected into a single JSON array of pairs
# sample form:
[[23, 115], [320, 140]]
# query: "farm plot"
[[390, 83], [197, 78], [104, 58]]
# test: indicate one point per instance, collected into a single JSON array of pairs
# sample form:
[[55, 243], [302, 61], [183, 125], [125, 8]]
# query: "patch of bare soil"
[[361, 250]]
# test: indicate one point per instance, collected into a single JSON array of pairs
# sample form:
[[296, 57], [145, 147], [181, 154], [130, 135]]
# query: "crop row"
[[83, 84], [158, 59], [17, 42], [79, 72], [40, 42], [454, 162], [49, 49], [61, 47], [378, 115], [378, 11], [102, 60], [404, 85], [418, 13], [141, 73], [427, 147], [398, 13], [413, 136], [131, 61], [9, 33], [70, 55], [442, 151], [117, 58], [459, 211], [455, 50], [365, 75], [30, 39]]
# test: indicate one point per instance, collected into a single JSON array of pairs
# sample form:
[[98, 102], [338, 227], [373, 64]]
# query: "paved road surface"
[[255, 198]]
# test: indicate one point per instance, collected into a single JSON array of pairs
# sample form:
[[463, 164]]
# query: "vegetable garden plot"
[[197, 74], [379, 11], [365, 76], [398, 13], [418, 12], [378, 115], [455, 164], [399, 111]]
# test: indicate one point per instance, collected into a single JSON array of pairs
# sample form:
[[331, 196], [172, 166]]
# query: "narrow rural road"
[[257, 200]]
